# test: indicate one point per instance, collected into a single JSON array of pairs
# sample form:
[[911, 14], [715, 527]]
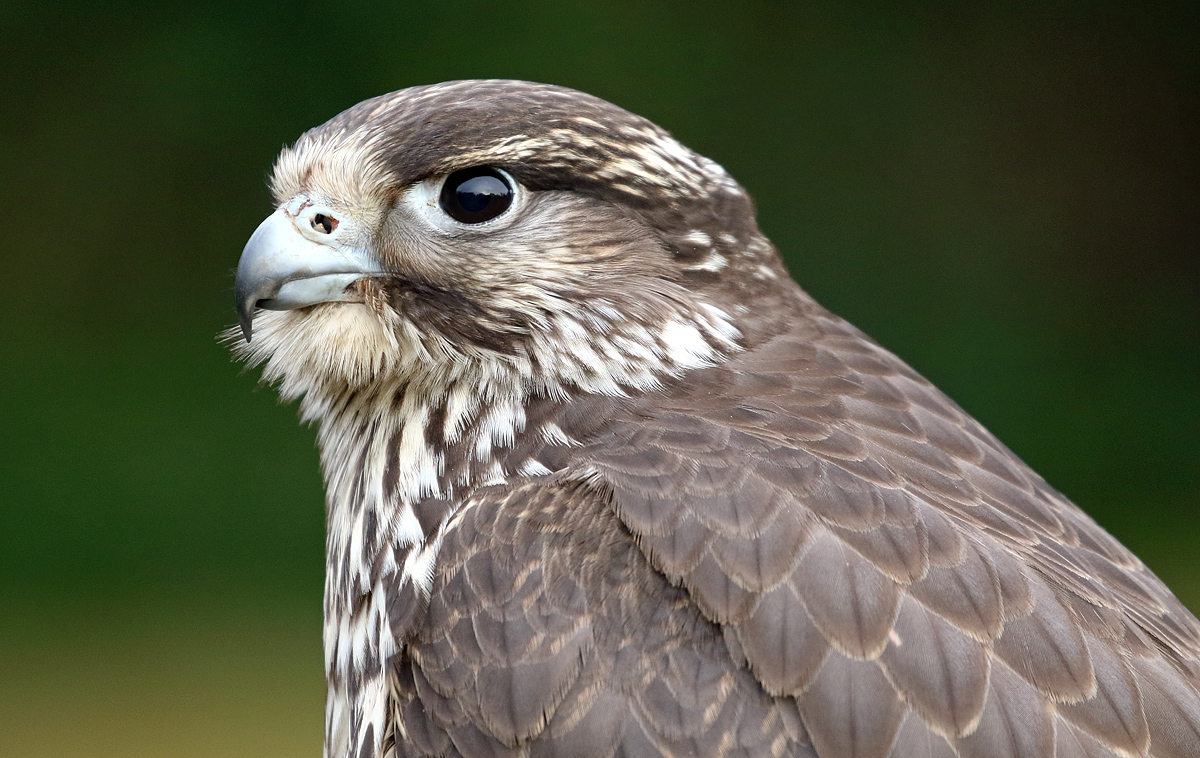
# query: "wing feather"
[[875, 553], [558, 637], [938, 669], [850, 710]]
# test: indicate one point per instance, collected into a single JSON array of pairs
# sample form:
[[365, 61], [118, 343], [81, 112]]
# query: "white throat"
[[406, 421]]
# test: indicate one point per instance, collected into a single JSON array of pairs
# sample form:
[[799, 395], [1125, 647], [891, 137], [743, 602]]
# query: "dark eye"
[[475, 195]]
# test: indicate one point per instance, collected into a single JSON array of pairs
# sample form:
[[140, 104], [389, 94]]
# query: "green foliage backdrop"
[[1007, 199]]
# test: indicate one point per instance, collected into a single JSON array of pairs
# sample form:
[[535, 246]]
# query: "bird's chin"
[[319, 346]]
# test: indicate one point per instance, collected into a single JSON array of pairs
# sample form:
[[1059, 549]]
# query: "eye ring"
[[476, 195]]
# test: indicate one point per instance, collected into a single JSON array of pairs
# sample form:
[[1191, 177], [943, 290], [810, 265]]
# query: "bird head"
[[514, 228]]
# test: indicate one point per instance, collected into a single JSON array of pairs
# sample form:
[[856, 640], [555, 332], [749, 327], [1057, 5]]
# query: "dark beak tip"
[[246, 320]]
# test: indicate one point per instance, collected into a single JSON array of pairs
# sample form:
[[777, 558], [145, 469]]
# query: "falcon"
[[602, 480]]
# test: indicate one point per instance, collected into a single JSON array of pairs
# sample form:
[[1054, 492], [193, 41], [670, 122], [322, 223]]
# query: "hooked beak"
[[298, 256]]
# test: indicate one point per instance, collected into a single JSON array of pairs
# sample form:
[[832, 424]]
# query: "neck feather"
[[408, 428]]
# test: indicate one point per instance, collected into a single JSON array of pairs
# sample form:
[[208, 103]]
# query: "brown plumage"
[[602, 480]]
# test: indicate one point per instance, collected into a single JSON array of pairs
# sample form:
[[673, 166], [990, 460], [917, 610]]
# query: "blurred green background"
[[1007, 199]]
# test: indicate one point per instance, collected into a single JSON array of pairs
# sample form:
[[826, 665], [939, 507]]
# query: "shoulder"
[[854, 528]]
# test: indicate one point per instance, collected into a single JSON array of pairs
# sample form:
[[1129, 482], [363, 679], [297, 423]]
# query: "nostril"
[[324, 224]]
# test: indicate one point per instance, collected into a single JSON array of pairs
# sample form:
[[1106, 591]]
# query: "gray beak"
[[298, 257]]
